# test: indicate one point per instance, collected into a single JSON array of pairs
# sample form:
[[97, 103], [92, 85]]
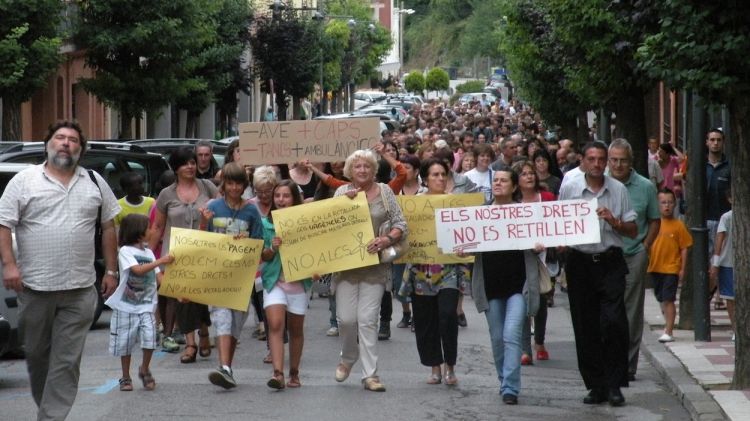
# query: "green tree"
[[702, 46], [141, 51], [234, 31], [29, 54], [414, 82], [532, 56], [216, 66], [285, 51], [598, 40], [437, 80], [470, 86]]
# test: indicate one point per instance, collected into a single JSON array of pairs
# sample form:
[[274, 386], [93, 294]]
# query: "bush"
[[437, 80], [470, 86], [414, 82]]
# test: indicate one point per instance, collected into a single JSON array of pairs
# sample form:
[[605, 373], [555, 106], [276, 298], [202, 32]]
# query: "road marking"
[[106, 387]]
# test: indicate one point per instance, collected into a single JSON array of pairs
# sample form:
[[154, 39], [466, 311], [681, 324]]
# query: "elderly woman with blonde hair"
[[359, 291]]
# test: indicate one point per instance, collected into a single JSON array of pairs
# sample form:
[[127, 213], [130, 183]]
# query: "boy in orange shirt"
[[667, 259]]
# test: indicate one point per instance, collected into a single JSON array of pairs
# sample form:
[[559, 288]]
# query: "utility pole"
[[697, 202]]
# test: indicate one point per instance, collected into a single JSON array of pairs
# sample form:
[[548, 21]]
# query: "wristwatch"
[[112, 273]]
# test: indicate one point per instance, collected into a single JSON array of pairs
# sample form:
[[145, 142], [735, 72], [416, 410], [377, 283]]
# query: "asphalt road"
[[551, 390]]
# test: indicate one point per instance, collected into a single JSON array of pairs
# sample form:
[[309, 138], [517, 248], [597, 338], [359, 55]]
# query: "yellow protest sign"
[[419, 212], [279, 142], [211, 268], [324, 236]]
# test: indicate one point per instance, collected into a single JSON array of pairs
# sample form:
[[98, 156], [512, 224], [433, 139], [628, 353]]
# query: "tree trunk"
[[568, 129], [11, 120], [582, 132], [191, 124], [324, 103], [631, 125], [126, 121], [263, 105], [296, 104], [740, 152], [281, 107]]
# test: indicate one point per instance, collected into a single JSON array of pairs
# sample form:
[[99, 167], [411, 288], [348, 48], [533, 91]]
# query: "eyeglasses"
[[263, 192]]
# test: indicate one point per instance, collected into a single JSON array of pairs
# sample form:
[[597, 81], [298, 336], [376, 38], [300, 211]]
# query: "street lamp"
[[401, 12]]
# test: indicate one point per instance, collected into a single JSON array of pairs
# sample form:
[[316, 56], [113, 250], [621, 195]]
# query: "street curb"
[[698, 402]]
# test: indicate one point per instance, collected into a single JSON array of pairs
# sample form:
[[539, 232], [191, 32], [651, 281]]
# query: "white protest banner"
[[280, 142], [517, 226]]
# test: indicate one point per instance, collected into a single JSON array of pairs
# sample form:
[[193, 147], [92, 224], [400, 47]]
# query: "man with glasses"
[[54, 208], [643, 199]]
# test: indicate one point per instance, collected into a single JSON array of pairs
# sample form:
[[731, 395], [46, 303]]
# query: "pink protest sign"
[[517, 226], [280, 142]]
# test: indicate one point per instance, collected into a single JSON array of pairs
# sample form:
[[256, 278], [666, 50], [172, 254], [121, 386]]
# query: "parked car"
[[109, 159], [466, 99], [10, 339], [370, 96], [166, 146], [394, 112], [385, 122]]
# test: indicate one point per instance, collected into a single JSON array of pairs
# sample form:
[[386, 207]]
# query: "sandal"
[[126, 384], [293, 379], [277, 381], [147, 379], [189, 357], [205, 351], [268, 359], [450, 378], [435, 379]]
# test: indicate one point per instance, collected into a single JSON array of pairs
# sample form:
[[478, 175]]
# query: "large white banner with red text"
[[517, 226]]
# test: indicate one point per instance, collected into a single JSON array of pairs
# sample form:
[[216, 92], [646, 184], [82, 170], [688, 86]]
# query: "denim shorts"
[[665, 286], [726, 283]]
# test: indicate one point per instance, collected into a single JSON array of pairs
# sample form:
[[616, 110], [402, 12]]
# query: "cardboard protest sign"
[[279, 142], [517, 226], [211, 268], [419, 212], [324, 236]]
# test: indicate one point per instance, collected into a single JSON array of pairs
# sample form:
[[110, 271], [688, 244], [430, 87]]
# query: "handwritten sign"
[[419, 212], [518, 226], [324, 236], [279, 142], [211, 268]]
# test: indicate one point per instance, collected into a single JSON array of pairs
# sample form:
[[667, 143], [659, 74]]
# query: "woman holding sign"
[[434, 291], [178, 205], [359, 291], [505, 286], [283, 302]]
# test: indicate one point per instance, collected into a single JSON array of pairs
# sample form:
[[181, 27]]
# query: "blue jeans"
[[505, 318]]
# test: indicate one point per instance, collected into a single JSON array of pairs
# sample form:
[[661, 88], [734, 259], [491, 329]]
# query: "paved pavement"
[[551, 390], [709, 366]]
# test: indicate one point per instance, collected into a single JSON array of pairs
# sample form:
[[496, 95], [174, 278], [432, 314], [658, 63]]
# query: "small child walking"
[[134, 301], [667, 259]]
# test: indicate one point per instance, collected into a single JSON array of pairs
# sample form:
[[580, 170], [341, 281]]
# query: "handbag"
[[545, 280], [394, 251]]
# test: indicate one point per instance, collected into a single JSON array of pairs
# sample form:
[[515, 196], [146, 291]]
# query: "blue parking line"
[[106, 387]]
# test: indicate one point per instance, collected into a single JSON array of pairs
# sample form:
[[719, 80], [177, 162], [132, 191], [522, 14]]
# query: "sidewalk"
[[709, 365]]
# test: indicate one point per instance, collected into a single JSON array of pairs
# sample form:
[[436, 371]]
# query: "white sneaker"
[[333, 331], [666, 338]]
